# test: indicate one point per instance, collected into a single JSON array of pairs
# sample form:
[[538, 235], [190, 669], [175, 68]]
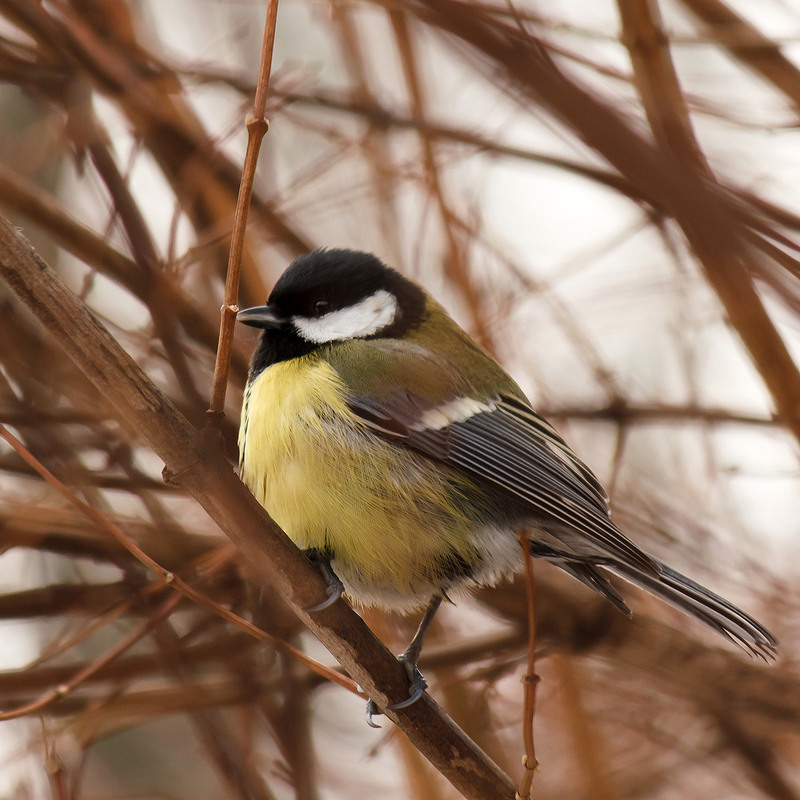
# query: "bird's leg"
[[322, 561], [411, 655], [409, 659]]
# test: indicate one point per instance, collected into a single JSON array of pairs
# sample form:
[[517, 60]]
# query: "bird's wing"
[[499, 440]]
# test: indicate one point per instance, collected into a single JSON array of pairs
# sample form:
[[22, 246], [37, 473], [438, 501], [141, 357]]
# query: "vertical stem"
[[530, 679], [257, 126]]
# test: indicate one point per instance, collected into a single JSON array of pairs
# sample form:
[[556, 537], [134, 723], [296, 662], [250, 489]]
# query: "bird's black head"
[[333, 295]]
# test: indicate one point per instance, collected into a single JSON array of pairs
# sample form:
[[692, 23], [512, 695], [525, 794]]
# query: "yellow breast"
[[393, 522], [286, 413]]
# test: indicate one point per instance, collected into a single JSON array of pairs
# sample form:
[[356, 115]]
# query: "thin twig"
[[748, 45], [54, 768], [376, 142], [63, 689], [257, 126], [456, 260], [530, 680], [170, 578]]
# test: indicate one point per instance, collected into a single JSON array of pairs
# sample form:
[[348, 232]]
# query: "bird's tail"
[[678, 590], [701, 603]]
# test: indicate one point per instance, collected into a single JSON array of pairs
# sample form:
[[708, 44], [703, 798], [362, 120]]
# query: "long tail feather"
[[701, 603]]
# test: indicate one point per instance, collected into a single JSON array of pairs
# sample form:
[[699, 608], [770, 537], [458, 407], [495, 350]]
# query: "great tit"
[[389, 444]]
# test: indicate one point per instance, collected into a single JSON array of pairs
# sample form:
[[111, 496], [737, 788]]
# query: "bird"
[[406, 461]]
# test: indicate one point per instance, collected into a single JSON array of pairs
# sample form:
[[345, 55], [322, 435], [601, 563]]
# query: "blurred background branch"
[[605, 193]]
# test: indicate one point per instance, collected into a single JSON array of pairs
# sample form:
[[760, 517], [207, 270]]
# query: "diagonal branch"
[[197, 464]]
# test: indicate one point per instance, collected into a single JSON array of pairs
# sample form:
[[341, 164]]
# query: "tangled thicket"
[[603, 195]]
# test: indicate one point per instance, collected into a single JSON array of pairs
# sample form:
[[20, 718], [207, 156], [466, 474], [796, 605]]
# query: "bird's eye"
[[321, 307]]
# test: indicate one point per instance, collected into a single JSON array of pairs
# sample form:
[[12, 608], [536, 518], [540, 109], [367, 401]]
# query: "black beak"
[[262, 317]]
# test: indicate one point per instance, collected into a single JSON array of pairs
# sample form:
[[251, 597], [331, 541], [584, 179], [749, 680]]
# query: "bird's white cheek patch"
[[371, 315], [458, 410]]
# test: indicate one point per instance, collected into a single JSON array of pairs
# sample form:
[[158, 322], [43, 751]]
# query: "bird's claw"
[[335, 587], [335, 591], [416, 683], [416, 693], [372, 710]]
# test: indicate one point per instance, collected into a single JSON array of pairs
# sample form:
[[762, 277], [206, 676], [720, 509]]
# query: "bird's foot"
[[335, 587], [417, 686]]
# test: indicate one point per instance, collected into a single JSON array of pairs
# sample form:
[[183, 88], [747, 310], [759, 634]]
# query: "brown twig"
[[748, 45], [657, 82], [54, 768], [456, 259], [235, 769], [140, 665], [170, 578], [63, 689], [376, 142], [488, 143], [626, 414], [257, 126], [530, 680]]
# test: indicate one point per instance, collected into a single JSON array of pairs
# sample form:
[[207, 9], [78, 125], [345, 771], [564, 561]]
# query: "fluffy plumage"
[[375, 431]]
